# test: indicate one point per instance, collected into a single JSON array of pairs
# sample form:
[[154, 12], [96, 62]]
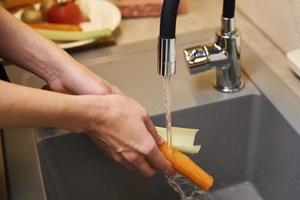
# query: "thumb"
[[152, 130]]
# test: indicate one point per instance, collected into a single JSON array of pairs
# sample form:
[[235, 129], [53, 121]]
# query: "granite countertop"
[[205, 14]]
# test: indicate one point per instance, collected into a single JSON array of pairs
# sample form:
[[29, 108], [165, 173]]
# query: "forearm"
[[27, 107], [24, 47]]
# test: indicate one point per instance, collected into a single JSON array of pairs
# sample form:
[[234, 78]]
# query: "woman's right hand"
[[122, 128]]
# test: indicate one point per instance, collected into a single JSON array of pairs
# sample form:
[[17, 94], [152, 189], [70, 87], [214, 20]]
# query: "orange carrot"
[[56, 26], [185, 166]]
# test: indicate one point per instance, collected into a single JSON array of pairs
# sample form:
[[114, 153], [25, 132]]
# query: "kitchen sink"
[[247, 145], [250, 139]]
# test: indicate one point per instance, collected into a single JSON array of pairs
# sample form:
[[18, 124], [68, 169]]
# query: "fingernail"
[[170, 171], [160, 140]]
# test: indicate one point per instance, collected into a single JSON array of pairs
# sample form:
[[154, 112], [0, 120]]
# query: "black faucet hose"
[[168, 19], [228, 8]]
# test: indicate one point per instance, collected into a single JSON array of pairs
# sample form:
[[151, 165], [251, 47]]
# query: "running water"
[[186, 189], [167, 102]]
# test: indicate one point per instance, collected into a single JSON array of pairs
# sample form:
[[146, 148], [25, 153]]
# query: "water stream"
[[167, 102], [186, 189]]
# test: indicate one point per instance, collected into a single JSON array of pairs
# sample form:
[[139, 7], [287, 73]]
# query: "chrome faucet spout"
[[166, 56]]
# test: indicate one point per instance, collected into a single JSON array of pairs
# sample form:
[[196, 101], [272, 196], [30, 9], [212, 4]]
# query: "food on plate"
[[46, 5], [50, 11], [185, 166], [84, 8], [68, 13], [145, 8], [55, 26], [31, 15], [15, 5], [183, 139], [68, 36], [62, 22]]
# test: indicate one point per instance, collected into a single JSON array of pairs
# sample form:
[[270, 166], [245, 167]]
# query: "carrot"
[[56, 26], [185, 166]]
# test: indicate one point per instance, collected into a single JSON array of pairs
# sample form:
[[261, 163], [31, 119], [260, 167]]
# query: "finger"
[[112, 88], [152, 130], [119, 159], [127, 165], [62, 90], [159, 162], [139, 162], [116, 90], [144, 167], [122, 161]]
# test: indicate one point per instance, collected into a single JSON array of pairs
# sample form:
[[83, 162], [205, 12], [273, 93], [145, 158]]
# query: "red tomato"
[[68, 13]]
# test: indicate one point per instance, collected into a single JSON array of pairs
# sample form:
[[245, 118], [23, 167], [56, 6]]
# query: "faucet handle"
[[202, 58], [223, 54], [195, 57]]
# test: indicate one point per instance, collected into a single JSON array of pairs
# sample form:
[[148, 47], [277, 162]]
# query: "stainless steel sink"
[[250, 139]]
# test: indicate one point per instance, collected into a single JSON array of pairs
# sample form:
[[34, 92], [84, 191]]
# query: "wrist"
[[78, 79], [85, 111], [63, 76]]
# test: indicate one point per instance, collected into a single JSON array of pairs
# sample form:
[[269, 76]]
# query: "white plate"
[[102, 14]]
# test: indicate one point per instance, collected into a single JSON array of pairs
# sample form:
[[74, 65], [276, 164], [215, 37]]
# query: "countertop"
[[205, 14]]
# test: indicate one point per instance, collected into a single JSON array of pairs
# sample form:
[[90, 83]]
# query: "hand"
[[43, 58], [122, 128], [117, 123], [80, 80]]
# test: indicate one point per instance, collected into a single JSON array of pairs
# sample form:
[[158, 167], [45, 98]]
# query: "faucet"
[[223, 54]]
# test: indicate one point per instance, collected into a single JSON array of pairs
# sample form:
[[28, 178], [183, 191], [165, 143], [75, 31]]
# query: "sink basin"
[[248, 147], [250, 139]]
